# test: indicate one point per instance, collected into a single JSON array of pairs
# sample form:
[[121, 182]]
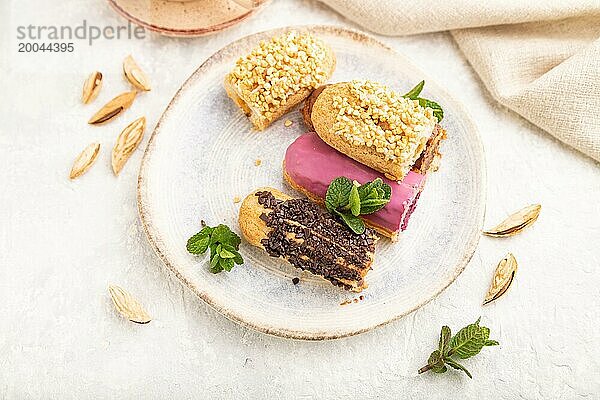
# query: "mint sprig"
[[223, 244], [348, 200], [414, 93], [465, 344]]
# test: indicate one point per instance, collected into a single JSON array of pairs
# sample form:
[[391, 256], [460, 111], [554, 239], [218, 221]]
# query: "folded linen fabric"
[[540, 59]]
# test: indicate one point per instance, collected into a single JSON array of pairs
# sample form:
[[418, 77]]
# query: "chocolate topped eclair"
[[308, 237]]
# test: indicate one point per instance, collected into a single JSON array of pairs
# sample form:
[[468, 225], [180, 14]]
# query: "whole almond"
[[127, 142], [113, 108], [135, 75], [84, 161], [91, 87]]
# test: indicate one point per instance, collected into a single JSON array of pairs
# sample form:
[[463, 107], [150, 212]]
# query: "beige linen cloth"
[[539, 58]]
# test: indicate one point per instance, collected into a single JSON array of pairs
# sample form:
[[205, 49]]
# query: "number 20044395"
[[29, 47]]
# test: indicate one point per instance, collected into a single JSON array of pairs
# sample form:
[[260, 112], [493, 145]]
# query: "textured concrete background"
[[62, 242]]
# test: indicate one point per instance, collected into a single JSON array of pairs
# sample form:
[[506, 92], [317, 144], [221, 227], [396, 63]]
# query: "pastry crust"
[[253, 228]]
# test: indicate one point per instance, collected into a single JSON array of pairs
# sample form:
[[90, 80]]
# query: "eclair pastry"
[[310, 165], [308, 237], [371, 124], [278, 74]]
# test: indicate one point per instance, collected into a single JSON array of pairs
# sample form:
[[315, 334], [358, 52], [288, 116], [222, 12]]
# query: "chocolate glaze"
[[311, 239]]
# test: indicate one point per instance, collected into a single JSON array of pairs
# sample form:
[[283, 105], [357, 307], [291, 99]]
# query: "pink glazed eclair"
[[310, 165]]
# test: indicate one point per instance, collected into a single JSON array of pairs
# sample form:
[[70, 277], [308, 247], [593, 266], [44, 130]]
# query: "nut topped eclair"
[[308, 237], [372, 124], [278, 74]]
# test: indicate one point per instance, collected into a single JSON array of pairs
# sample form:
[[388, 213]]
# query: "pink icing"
[[312, 164]]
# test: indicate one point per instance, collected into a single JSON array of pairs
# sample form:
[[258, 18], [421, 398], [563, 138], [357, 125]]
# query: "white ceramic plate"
[[202, 154]]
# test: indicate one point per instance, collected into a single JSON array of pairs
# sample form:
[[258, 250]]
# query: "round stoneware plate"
[[202, 155], [186, 18]]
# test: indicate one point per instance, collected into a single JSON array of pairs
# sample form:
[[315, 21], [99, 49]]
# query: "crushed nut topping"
[[278, 68], [396, 127]]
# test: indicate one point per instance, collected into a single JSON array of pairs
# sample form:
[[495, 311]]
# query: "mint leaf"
[[223, 244], [238, 258], [226, 254], [338, 193], [214, 263], [415, 92], [354, 223], [377, 185], [444, 343], [456, 365], [466, 343], [348, 200], [216, 269], [370, 206], [439, 370], [435, 107], [198, 243], [226, 264], [469, 340], [354, 201], [436, 362], [387, 190], [222, 234], [374, 196]]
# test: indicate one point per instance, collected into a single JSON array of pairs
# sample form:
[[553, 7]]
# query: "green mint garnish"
[[223, 244], [348, 200], [353, 222], [414, 93], [354, 201], [466, 343], [338, 193]]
